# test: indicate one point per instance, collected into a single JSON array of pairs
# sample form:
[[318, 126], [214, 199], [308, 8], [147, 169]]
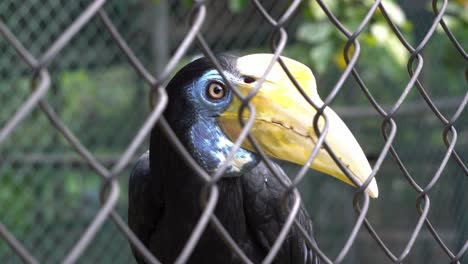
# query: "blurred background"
[[48, 194]]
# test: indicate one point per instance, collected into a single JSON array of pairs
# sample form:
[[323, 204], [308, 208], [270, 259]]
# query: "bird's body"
[[164, 211], [164, 192]]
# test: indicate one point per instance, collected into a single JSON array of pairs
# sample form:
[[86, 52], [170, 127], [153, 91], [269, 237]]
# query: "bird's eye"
[[215, 91]]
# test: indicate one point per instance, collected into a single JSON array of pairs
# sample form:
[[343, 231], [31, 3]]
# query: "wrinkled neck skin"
[[210, 147]]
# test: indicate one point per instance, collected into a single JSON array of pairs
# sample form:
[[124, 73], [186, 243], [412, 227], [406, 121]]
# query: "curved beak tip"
[[372, 189]]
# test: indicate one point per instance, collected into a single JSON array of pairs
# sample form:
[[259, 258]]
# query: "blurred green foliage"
[[101, 99], [383, 59]]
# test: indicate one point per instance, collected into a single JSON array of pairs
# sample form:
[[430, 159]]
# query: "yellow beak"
[[283, 123]]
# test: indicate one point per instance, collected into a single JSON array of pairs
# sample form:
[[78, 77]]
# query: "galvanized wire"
[[40, 83]]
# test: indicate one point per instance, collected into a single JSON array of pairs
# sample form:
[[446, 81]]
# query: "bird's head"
[[203, 112], [198, 96]]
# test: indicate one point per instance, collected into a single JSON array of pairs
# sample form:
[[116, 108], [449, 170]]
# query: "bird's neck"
[[181, 188], [170, 171]]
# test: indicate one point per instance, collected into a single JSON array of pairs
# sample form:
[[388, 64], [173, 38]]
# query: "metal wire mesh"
[[39, 64]]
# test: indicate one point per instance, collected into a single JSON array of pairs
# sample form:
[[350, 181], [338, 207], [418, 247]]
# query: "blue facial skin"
[[202, 135]]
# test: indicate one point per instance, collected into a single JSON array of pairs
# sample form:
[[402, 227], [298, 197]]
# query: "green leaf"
[[72, 185], [385, 38], [317, 11], [237, 6], [321, 56], [395, 13], [314, 32]]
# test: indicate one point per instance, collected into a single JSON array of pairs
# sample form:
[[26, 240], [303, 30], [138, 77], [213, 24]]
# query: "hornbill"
[[164, 192]]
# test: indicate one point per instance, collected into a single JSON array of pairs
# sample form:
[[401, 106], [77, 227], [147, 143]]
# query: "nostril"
[[248, 79]]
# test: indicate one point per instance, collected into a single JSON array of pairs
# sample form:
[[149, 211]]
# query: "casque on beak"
[[283, 124]]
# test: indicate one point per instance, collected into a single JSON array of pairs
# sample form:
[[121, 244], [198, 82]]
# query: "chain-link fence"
[[74, 83]]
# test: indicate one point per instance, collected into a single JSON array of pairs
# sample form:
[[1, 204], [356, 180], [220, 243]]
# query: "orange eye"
[[215, 91]]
